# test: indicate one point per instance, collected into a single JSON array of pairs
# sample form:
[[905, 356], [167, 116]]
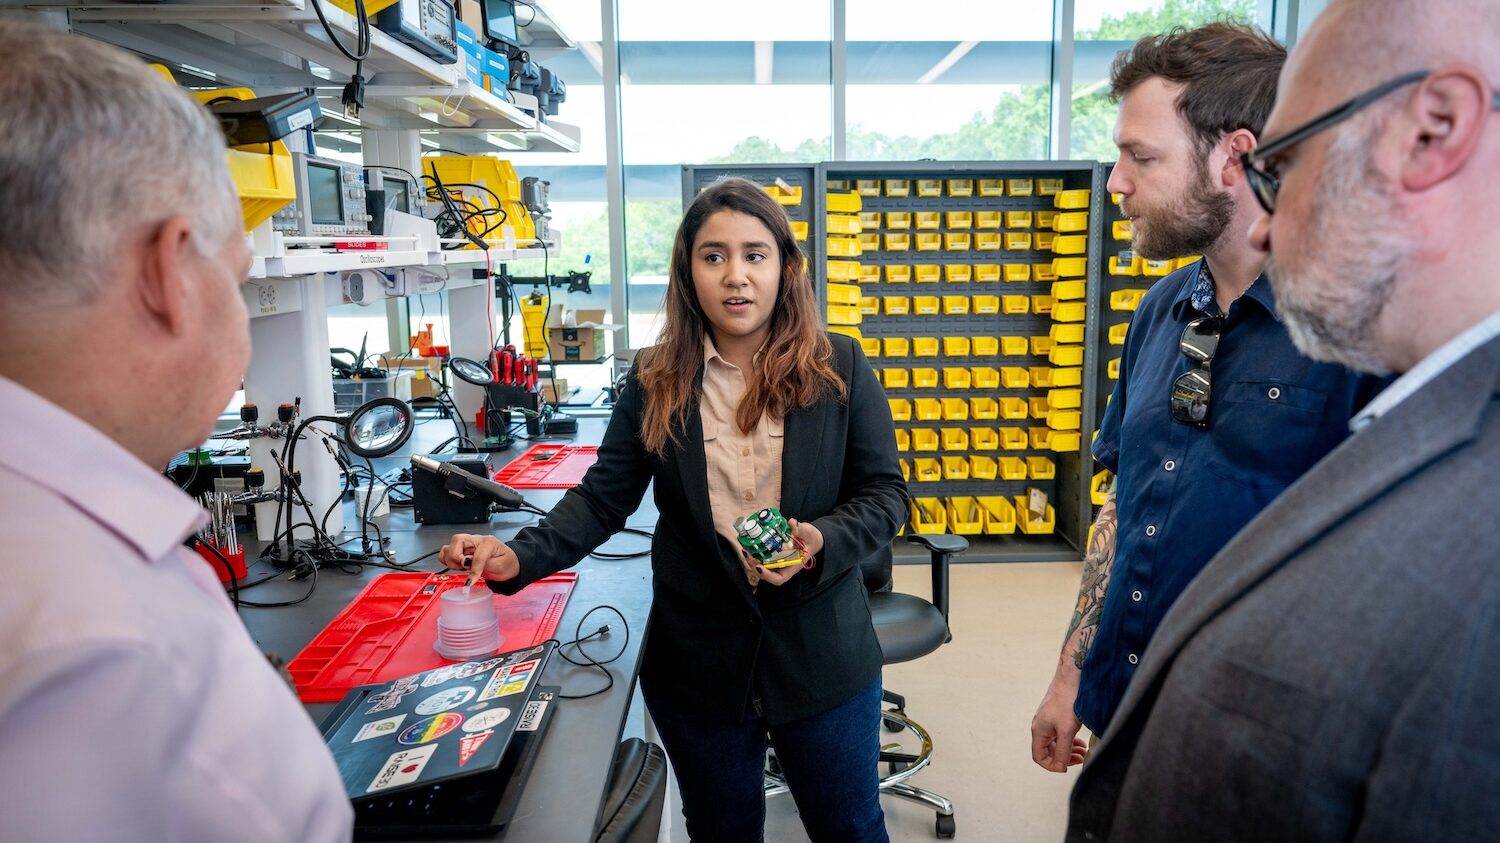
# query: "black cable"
[[533, 14], [354, 92], [578, 640], [634, 532], [312, 586], [234, 580]]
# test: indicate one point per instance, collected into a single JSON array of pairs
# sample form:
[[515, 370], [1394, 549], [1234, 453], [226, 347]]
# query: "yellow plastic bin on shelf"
[[843, 294], [928, 516], [897, 305], [1039, 407], [955, 438], [927, 273], [926, 346], [1041, 376], [898, 220], [1012, 408], [1064, 420], [929, 220], [799, 229], [957, 241], [869, 273], [1117, 333], [924, 439], [1041, 304], [924, 378], [1017, 272], [1041, 438], [1069, 311], [871, 346], [987, 219], [960, 187], [965, 518], [1018, 187], [1071, 221], [956, 409], [1015, 305], [927, 469], [897, 378], [1112, 369], [844, 203], [1043, 271], [1013, 346], [1126, 264], [983, 468], [929, 187], [1069, 290], [1067, 376], [1070, 244], [1097, 493], [896, 346], [905, 469], [1044, 241], [929, 241], [843, 270], [264, 180], [1046, 219], [985, 346], [958, 273], [869, 241], [960, 219], [984, 438], [1156, 269], [1018, 219], [903, 439], [955, 468], [1014, 438], [999, 515], [924, 305], [953, 347], [987, 241], [1014, 377], [844, 247], [956, 378], [841, 314], [844, 224], [1126, 299], [986, 304], [1120, 229], [897, 273], [869, 220], [1071, 200], [847, 330], [499, 175], [897, 242], [955, 305], [1017, 240], [869, 305], [1041, 345], [1048, 187], [1065, 399], [900, 409], [929, 409], [984, 409], [1029, 522], [1065, 333], [835, 184], [1070, 267], [985, 377], [897, 187], [1066, 355], [1066, 441], [986, 272], [990, 187], [1012, 468], [867, 187]]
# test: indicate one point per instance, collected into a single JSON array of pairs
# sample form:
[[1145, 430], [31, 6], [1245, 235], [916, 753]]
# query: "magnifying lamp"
[[471, 371]]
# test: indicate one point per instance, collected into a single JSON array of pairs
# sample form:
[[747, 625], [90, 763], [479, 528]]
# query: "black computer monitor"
[[500, 22]]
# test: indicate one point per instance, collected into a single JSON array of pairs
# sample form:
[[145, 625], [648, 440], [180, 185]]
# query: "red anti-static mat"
[[387, 632], [548, 467]]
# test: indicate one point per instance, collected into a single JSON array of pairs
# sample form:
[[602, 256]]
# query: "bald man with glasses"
[[1334, 673]]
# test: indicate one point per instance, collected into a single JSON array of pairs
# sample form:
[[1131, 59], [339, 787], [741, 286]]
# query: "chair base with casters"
[[908, 628]]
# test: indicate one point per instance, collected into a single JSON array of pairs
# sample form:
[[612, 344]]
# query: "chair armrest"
[[940, 542], [942, 547]]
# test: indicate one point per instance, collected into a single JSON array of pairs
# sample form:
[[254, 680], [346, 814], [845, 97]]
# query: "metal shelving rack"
[[797, 176]]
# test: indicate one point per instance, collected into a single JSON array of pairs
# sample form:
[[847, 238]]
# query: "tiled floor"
[[975, 696]]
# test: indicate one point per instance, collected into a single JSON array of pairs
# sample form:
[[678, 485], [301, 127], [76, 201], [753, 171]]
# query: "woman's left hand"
[[812, 541]]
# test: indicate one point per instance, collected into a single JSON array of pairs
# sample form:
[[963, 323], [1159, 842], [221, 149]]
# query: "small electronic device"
[[387, 189], [767, 537], [434, 502], [499, 23], [264, 119], [551, 92], [427, 26], [330, 199]]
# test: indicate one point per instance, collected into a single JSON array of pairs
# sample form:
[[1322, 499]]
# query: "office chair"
[[635, 796], [908, 628]]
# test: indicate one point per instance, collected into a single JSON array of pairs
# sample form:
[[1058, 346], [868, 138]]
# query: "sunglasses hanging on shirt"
[[1192, 389]]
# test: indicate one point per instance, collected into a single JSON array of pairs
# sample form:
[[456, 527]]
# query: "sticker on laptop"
[[487, 720], [470, 745], [444, 700], [531, 717], [459, 671], [430, 729], [402, 767], [378, 728]]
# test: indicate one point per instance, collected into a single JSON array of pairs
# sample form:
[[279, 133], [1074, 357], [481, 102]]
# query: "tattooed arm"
[[1055, 744]]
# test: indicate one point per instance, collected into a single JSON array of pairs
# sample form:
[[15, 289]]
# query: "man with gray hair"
[[133, 705], [1334, 674]]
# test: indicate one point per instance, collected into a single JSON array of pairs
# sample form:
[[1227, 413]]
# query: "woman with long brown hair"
[[745, 404]]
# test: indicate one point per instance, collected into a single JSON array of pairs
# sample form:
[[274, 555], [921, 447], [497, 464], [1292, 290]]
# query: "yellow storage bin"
[[984, 409], [1069, 244], [1012, 346], [1067, 376], [987, 241], [924, 378], [867, 187], [898, 220], [1126, 263], [991, 187], [1064, 420], [1065, 333], [925, 439], [1066, 355], [929, 187], [1043, 272], [986, 304], [960, 187], [1117, 333], [1065, 399], [869, 273], [1126, 299], [955, 438], [263, 177], [955, 305], [1018, 187], [900, 409], [929, 241], [1046, 219], [984, 346], [869, 305], [897, 187], [1017, 219], [925, 346], [871, 346], [1069, 311], [1069, 290], [896, 346], [844, 203], [928, 273], [957, 241], [869, 241], [1120, 229], [1012, 468], [929, 220], [1041, 438], [896, 378], [799, 229], [924, 305], [1112, 369], [843, 224], [1014, 377], [903, 439], [985, 377], [928, 409], [843, 270], [1028, 521], [1013, 409], [1041, 376], [1017, 272], [1039, 407], [1015, 240], [1098, 493], [1156, 269], [927, 470], [986, 272], [1041, 304], [897, 242], [836, 185], [1065, 442], [897, 273], [1015, 305], [1071, 200], [956, 378], [846, 330], [955, 409], [983, 468], [984, 438], [987, 219], [999, 515], [955, 346], [842, 314], [1071, 221], [958, 273], [1040, 345], [868, 220], [1048, 187], [844, 247], [955, 468], [1070, 267], [843, 294], [1014, 439], [960, 219], [905, 469], [965, 518]]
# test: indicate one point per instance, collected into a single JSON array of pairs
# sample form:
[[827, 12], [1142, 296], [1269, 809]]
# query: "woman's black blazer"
[[803, 647]]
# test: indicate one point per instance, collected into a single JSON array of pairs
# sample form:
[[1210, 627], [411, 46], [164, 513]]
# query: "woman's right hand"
[[486, 556]]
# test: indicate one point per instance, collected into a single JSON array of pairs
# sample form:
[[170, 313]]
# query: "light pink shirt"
[[133, 704], [744, 469]]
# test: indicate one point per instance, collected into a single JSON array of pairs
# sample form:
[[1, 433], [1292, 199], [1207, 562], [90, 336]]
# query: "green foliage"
[[1187, 13]]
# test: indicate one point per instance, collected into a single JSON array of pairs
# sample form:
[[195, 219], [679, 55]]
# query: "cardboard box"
[[578, 335], [471, 14], [550, 395], [426, 373]]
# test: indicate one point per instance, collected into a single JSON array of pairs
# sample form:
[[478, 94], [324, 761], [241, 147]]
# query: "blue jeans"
[[830, 761]]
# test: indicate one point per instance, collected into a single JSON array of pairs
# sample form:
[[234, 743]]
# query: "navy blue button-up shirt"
[[1182, 493]]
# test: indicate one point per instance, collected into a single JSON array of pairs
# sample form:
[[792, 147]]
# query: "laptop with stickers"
[[444, 751]]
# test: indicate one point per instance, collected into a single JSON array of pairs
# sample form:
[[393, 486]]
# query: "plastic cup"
[[468, 625]]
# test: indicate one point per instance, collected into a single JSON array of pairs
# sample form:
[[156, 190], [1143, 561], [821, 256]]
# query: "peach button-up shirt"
[[744, 469]]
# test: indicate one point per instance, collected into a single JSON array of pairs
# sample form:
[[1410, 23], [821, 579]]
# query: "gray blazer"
[[1334, 673]]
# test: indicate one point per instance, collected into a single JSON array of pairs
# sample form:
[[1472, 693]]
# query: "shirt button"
[[1273, 393], [1171, 464], [749, 496], [1136, 596], [744, 452], [1151, 530], [1132, 658]]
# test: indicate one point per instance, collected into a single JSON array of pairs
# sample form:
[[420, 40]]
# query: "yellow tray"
[[984, 409], [897, 242], [956, 378], [928, 273], [897, 273], [984, 346], [896, 378], [1014, 377], [1112, 369], [1097, 493], [984, 438], [1069, 244], [900, 409], [1018, 187], [869, 305], [1012, 468], [955, 305], [960, 219], [991, 187], [844, 224], [927, 469], [841, 314], [1120, 229], [955, 409], [1126, 299], [925, 346], [929, 241], [924, 305], [1072, 200], [983, 468], [897, 187], [897, 306], [1066, 355], [955, 468], [1126, 264], [1069, 290], [1016, 241], [987, 241], [1041, 304], [1156, 269], [1039, 407], [956, 241], [1014, 438], [843, 270], [958, 273], [1069, 311], [898, 220], [844, 247], [999, 515], [960, 187], [1013, 409], [955, 438], [987, 219], [896, 346], [1012, 346], [1018, 219], [1117, 333], [1029, 523], [869, 241], [965, 518], [903, 439], [869, 273], [954, 346], [923, 378], [1048, 187], [929, 220], [985, 377], [1071, 221], [1065, 399], [844, 203], [929, 187], [986, 304], [1067, 376], [1015, 305], [843, 294], [867, 187], [928, 409], [871, 346], [1041, 376], [1043, 271], [1066, 333]]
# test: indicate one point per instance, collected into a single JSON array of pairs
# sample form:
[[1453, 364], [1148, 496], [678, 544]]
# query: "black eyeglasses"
[[1191, 390]]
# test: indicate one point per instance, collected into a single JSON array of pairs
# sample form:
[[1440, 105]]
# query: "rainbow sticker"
[[430, 729]]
